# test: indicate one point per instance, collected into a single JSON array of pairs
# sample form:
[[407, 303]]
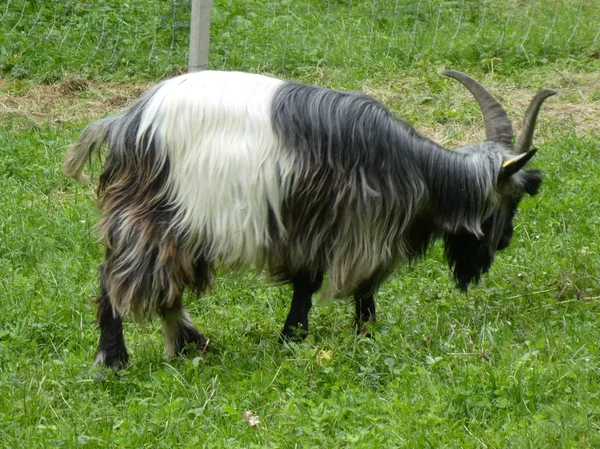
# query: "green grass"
[[515, 363], [512, 364], [148, 39]]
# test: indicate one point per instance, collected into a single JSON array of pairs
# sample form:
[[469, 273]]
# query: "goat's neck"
[[458, 185]]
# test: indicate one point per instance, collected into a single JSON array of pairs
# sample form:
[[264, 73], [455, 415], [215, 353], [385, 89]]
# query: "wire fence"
[[49, 39]]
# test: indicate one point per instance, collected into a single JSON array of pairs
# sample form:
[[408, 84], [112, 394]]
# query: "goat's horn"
[[531, 115], [498, 127]]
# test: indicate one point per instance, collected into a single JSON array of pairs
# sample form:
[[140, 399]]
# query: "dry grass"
[[73, 100], [576, 108]]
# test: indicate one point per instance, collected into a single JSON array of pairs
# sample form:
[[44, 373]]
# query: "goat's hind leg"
[[179, 332], [111, 352]]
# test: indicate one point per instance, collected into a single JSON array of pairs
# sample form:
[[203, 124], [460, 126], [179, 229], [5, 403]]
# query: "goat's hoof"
[[195, 345], [365, 334], [114, 360], [365, 329], [293, 335], [192, 341]]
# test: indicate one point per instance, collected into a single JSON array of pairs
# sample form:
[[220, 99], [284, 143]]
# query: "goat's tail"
[[92, 138]]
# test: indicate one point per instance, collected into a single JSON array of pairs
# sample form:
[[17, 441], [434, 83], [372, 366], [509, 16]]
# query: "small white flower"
[[252, 419]]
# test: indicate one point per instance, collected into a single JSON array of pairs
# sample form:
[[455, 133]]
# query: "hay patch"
[[447, 116]]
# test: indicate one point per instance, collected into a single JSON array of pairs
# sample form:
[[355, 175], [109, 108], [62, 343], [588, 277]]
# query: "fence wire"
[[149, 38]]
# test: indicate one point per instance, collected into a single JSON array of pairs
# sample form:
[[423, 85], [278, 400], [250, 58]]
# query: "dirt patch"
[[73, 86], [71, 101]]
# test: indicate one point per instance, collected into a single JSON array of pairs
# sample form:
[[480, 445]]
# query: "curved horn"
[[531, 115], [498, 127]]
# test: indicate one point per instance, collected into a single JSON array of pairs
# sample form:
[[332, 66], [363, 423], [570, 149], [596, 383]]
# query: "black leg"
[[179, 332], [111, 348], [111, 352], [296, 324], [364, 305]]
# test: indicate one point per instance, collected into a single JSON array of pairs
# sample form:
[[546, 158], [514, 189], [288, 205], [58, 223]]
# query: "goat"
[[244, 170]]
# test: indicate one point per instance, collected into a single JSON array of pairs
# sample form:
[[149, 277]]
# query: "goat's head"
[[471, 255]]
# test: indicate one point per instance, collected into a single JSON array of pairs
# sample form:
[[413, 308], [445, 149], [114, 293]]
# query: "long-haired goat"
[[246, 171]]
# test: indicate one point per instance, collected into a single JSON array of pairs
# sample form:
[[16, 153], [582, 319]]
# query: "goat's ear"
[[513, 165]]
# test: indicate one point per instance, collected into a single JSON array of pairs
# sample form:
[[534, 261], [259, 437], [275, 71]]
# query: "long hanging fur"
[[358, 179], [245, 170]]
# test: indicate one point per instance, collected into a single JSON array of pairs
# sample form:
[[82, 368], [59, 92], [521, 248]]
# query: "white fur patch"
[[224, 156], [100, 358]]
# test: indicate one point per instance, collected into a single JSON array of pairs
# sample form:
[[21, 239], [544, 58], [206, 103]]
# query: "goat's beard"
[[468, 257]]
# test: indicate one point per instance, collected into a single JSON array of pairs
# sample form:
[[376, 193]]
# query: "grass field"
[[148, 39], [514, 363]]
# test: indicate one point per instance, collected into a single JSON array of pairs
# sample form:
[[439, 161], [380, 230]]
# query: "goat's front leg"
[[364, 303], [296, 324]]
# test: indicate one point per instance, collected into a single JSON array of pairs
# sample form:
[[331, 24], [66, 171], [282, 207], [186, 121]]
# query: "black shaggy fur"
[[355, 161]]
